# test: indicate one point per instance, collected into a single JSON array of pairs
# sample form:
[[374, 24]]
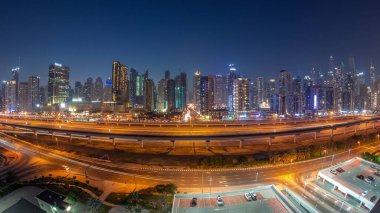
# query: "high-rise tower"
[[58, 84], [119, 82]]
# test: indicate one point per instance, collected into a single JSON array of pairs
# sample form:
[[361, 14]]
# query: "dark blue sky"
[[260, 37]]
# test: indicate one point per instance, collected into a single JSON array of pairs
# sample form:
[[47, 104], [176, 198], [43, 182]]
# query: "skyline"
[[255, 37]]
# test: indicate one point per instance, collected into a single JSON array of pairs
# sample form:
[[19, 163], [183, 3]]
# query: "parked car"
[[377, 172], [368, 179], [193, 202], [253, 195], [333, 172], [219, 201], [373, 198], [361, 177], [340, 170], [248, 196], [364, 193], [373, 166]]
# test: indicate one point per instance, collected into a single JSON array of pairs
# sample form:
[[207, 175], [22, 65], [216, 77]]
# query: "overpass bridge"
[[206, 137]]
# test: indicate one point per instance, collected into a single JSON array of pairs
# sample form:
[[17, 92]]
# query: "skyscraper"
[[58, 84], [181, 91], [231, 76], [270, 90], [34, 93], [170, 95], [140, 80], [167, 74], [161, 99], [297, 96], [260, 90], [78, 90], [132, 85], [351, 65], [149, 95], [330, 73], [107, 90], [16, 78], [10, 96], [372, 74], [211, 92], [23, 96], [285, 88], [241, 95], [88, 89], [196, 89], [220, 92], [204, 104], [98, 89], [119, 82]]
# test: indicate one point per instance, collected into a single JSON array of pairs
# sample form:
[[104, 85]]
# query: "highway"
[[191, 181], [183, 132], [220, 178]]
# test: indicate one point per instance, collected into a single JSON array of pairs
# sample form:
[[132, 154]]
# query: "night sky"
[[260, 37]]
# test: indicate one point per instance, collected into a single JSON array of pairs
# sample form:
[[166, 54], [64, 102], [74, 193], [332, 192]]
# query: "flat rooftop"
[[348, 182], [269, 199]]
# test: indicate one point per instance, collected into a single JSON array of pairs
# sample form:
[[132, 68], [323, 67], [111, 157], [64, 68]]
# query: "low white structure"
[[341, 181]]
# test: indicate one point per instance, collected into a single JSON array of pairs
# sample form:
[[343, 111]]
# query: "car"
[[333, 172], [373, 166], [248, 196], [253, 195], [377, 172], [340, 170], [364, 193], [373, 198], [193, 202], [370, 178], [361, 177], [219, 201]]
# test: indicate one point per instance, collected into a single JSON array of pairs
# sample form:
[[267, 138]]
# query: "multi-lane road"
[[199, 181]]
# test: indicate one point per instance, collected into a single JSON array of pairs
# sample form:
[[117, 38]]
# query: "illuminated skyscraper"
[[58, 84], [119, 83], [297, 95], [196, 89], [285, 88], [330, 73], [161, 95], [181, 91], [231, 76], [23, 96], [205, 95], [220, 92], [241, 95], [372, 74], [16, 78], [260, 90], [34, 93], [132, 85], [10, 96], [270, 89]]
